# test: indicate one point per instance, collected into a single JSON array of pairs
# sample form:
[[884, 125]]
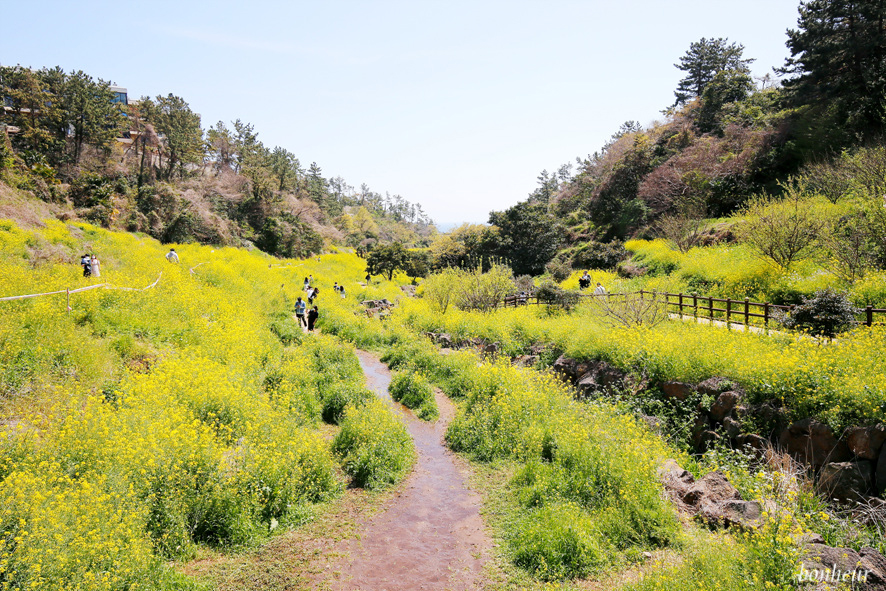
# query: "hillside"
[[148, 166]]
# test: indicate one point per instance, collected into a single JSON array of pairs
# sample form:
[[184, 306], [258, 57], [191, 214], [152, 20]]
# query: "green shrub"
[[825, 314], [337, 397], [373, 445], [559, 542], [414, 391]]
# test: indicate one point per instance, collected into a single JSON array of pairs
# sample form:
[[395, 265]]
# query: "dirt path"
[[431, 536]]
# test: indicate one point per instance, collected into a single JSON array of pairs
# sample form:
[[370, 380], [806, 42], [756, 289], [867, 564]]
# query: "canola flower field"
[[842, 383], [145, 423]]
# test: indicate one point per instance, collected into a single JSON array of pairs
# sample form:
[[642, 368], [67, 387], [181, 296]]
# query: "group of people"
[[584, 282], [312, 314], [340, 289], [91, 266]]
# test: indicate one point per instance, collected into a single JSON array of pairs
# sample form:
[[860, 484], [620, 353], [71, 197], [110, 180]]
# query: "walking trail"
[[431, 536]]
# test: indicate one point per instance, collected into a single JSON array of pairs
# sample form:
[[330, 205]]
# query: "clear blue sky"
[[452, 104]]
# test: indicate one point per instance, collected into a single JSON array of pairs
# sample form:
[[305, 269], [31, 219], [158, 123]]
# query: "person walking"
[[172, 256], [600, 290], [95, 266], [300, 311], [313, 295], [85, 263], [307, 284], [341, 291], [312, 318]]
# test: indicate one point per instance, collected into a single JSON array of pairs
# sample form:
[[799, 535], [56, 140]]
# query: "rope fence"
[[69, 291]]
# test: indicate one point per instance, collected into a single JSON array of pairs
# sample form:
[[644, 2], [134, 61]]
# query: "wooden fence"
[[710, 308]]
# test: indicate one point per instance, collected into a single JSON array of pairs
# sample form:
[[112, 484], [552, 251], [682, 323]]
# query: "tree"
[[838, 57], [705, 59], [528, 236], [285, 167], [727, 86], [183, 142], [684, 228], [31, 110], [385, 259], [782, 231], [89, 112], [418, 263]]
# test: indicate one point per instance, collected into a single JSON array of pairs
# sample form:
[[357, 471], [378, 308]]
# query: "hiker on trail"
[[584, 281], [172, 256], [312, 318], [600, 290], [307, 284], [311, 278], [368, 277], [95, 266], [341, 291], [300, 311], [313, 295], [335, 287], [85, 263]]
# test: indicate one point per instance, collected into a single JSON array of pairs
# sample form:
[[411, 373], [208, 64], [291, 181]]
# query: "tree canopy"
[[838, 57], [703, 60]]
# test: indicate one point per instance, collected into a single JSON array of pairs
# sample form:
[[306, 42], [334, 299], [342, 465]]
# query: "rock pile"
[[850, 466]]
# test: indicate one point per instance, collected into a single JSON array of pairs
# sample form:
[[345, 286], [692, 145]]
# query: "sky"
[[456, 105]]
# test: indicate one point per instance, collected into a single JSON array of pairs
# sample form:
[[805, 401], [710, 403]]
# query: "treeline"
[[149, 166], [726, 139]]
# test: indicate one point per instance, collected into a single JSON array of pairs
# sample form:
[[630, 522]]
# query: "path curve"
[[431, 536]]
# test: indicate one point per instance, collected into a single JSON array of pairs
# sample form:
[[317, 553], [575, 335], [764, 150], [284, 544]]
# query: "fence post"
[[695, 305], [681, 305], [68, 300], [728, 311], [869, 313], [747, 317], [766, 317], [711, 309]]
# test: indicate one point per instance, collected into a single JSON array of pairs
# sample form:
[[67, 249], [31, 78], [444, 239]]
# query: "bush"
[[373, 445], [824, 314], [599, 255], [559, 542], [554, 295], [559, 269], [338, 396], [414, 391]]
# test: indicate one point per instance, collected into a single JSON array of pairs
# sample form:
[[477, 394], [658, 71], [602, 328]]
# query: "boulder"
[[880, 475], [875, 563], [571, 369], [814, 443], [525, 360], [711, 488], [732, 512], [715, 385], [846, 480], [444, 339], [857, 570], [732, 427], [706, 439], [600, 377], [865, 442], [678, 390], [676, 482], [753, 441], [725, 404]]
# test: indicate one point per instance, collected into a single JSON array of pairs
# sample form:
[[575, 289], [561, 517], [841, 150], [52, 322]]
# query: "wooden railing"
[[710, 308]]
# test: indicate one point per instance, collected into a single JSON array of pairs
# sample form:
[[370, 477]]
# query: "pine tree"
[[838, 54]]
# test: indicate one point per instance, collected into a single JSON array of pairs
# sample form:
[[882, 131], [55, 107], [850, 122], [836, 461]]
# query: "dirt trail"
[[431, 536]]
